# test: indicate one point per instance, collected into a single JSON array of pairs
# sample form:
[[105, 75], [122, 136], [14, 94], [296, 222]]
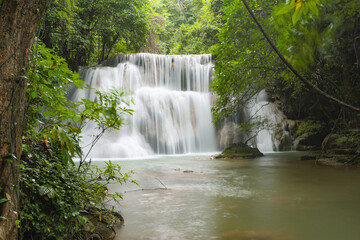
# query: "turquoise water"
[[273, 197]]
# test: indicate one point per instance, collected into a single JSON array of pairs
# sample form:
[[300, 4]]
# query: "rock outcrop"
[[100, 227], [239, 150], [308, 142], [340, 150]]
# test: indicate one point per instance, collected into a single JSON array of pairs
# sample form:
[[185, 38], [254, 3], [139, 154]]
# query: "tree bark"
[[297, 74], [19, 20]]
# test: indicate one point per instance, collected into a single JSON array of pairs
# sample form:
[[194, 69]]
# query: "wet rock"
[[98, 228], [337, 151], [330, 143], [330, 161], [345, 151], [228, 134], [291, 125], [308, 142], [308, 157], [300, 147], [239, 150], [284, 140], [344, 160], [336, 144]]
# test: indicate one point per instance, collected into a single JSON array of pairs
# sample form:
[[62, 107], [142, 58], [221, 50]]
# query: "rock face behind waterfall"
[[239, 150]]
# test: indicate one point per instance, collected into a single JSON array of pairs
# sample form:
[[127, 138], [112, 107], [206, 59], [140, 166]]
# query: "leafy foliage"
[[94, 30], [245, 63], [49, 191], [351, 140], [301, 7], [48, 80], [200, 36], [325, 50], [309, 126], [54, 192], [185, 26], [107, 112], [318, 38]]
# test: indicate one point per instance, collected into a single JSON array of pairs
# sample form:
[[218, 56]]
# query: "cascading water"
[[259, 107], [269, 135], [172, 105], [267, 140]]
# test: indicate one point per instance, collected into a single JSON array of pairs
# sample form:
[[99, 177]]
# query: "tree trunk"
[[19, 20]]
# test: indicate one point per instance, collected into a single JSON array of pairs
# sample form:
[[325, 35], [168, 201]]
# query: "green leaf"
[[82, 219], [68, 2], [3, 200], [34, 94], [286, 9], [313, 8], [296, 16], [17, 223], [74, 129]]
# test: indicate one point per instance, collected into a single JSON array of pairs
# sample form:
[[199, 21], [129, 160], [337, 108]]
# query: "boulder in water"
[[239, 150]]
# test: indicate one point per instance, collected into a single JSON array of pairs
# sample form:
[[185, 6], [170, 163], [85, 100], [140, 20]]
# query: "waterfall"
[[172, 105], [267, 137], [273, 137]]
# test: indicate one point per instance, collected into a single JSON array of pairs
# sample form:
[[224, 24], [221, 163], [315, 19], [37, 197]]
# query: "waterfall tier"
[[172, 105], [268, 131]]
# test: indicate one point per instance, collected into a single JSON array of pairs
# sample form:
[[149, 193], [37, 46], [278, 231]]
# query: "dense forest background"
[[323, 44], [319, 38]]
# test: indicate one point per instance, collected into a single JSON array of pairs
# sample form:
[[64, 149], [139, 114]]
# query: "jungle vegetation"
[[320, 39]]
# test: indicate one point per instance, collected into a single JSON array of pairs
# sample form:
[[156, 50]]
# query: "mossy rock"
[[99, 227], [239, 150], [342, 144]]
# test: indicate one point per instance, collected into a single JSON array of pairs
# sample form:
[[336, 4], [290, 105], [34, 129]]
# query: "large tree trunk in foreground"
[[19, 20]]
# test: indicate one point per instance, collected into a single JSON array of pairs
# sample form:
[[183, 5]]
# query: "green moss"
[[350, 140], [239, 150]]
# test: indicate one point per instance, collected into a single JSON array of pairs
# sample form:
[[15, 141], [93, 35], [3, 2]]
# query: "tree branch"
[[297, 74]]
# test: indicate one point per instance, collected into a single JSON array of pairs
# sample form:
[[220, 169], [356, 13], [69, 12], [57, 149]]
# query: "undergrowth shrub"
[[55, 191], [309, 126]]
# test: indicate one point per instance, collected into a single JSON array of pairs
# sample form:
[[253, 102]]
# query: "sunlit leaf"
[[287, 8], [297, 15]]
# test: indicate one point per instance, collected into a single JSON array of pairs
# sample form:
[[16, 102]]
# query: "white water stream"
[[172, 105], [261, 108]]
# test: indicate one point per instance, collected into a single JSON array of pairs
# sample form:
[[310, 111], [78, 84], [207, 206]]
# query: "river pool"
[[273, 197]]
